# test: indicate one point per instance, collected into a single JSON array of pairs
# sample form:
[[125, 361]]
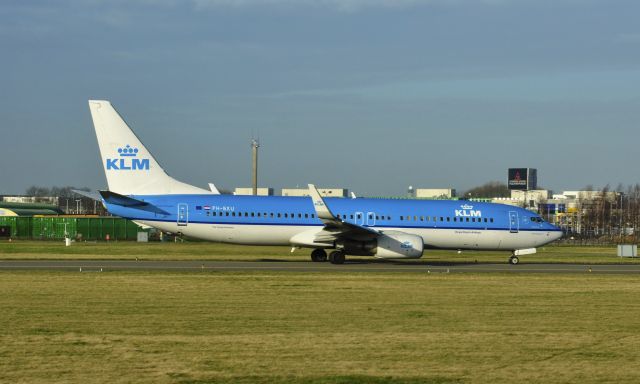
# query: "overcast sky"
[[370, 95]]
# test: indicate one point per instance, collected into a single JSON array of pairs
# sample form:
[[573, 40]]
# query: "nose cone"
[[554, 233]]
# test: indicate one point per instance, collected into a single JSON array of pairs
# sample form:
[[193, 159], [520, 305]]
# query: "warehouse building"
[[327, 192], [249, 191], [434, 193]]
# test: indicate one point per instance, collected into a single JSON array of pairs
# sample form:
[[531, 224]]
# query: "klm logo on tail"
[[128, 161]]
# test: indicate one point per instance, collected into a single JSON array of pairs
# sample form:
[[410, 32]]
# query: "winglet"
[[214, 189], [322, 210]]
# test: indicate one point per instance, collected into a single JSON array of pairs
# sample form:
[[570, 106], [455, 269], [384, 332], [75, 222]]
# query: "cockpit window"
[[536, 219]]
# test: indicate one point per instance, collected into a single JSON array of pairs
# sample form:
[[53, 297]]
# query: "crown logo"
[[466, 206], [128, 151]]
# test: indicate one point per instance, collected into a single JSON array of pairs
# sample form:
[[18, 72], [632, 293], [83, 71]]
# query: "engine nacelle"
[[390, 245], [399, 245]]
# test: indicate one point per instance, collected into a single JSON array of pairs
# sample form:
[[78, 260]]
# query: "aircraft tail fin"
[[129, 167]]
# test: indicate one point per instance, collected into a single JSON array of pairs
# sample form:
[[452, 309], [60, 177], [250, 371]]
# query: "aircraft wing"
[[335, 228]]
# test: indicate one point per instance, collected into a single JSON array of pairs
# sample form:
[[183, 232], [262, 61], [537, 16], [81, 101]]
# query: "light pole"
[[620, 212]]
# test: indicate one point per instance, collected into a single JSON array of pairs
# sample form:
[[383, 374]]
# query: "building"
[[68, 205], [588, 195], [249, 191], [531, 198], [52, 200], [28, 209], [327, 192], [434, 193]]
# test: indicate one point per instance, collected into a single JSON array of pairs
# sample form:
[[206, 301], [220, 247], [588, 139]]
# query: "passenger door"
[[514, 225], [183, 215]]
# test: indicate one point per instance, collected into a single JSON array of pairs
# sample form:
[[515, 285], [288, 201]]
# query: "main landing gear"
[[514, 260], [318, 255], [335, 257]]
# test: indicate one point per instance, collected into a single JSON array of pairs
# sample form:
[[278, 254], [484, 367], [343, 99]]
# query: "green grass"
[[217, 251], [318, 328]]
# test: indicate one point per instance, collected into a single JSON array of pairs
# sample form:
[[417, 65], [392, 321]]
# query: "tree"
[[489, 190], [55, 191]]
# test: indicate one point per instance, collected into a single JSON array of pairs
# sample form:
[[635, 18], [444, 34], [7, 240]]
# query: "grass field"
[[120, 327], [216, 251]]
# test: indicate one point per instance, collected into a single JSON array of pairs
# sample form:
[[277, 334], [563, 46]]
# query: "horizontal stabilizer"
[[129, 202]]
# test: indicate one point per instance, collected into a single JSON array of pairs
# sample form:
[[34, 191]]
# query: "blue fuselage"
[[431, 219]]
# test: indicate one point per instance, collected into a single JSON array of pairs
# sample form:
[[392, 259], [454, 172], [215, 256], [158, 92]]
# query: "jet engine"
[[390, 245]]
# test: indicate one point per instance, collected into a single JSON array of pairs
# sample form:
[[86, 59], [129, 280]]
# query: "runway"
[[304, 266]]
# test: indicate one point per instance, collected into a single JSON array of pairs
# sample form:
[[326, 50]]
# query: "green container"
[[11, 223], [85, 228]]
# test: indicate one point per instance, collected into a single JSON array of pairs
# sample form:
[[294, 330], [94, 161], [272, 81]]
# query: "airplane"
[[140, 190]]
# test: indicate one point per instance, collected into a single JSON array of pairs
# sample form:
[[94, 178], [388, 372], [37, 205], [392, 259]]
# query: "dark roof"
[[30, 209]]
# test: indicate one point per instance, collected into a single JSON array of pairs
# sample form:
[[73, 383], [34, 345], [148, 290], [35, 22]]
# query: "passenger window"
[[351, 217], [286, 215], [441, 218], [279, 215], [467, 220], [455, 219], [421, 218], [401, 217], [306, 215], [300, 215], [448, 218], [491, 220], [313, 215], [253, 214]]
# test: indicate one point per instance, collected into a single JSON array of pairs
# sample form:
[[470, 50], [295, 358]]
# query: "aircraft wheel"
[[336, 257], [514, 260], [318, 255]]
